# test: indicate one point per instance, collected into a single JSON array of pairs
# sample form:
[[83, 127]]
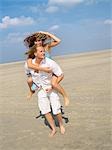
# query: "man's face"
[[40, 53]]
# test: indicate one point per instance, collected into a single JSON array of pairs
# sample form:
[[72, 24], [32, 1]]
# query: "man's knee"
[[56, 111]]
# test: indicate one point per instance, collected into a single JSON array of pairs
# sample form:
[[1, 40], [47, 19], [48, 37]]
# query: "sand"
[[88, 83]]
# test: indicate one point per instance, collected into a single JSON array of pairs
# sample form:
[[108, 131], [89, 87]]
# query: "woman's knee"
[[54, 84], [29, 80], [61, 77]]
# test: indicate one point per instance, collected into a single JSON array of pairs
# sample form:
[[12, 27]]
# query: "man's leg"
[[44, 106], [51, 122], [56, 108], [62, 128]]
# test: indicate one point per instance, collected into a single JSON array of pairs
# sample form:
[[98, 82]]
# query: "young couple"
[[44, 74]]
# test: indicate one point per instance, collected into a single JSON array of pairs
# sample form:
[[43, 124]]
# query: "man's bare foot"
[[53, 132], [30, 94], [66, 101], [62, 129]]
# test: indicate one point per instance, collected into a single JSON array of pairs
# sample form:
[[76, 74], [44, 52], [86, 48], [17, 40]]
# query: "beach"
[[87, 79]]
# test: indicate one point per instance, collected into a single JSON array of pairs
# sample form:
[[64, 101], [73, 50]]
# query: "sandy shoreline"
[[88, 82], [66, 56]]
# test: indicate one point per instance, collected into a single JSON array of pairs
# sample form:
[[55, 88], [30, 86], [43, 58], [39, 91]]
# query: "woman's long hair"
[[31, 39], [31, 51], [30, 43]]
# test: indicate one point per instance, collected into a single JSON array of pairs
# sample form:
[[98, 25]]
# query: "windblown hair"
[[31, 51], [31, 39], [30, 43]]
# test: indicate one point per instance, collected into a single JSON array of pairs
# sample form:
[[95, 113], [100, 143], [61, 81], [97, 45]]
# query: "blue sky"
[[82, 25]]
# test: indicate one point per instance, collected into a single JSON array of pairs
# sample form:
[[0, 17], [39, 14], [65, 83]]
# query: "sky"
[[82, 25]]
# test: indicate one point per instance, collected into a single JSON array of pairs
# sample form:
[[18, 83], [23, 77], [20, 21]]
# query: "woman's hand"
[[46, 33], [55, 41], [43, 32], [46, 69]]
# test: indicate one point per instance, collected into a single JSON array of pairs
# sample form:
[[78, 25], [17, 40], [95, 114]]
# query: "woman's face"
[[39, 42]]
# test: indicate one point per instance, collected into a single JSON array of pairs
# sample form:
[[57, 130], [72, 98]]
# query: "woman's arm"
[[36, 66], [55, 41]]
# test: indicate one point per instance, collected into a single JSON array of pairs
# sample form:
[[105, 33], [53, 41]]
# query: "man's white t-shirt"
[[32, 73], [43, 78]]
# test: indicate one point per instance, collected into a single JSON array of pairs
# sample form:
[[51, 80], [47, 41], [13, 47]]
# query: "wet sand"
[[88, 82]]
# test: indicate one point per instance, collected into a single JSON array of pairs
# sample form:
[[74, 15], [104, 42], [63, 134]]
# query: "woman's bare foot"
[[62, 129], [66, 101], [49, 90], [30, 94], [53, 132]]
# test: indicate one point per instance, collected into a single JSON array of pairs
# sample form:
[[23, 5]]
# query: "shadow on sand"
[[66, 120]]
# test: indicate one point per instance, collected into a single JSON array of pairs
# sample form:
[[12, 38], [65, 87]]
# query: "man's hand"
[[49, 90]]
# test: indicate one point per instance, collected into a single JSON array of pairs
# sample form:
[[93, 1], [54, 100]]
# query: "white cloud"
[[14, 38], [34, 9], [43, 8], [53, 28], [7, 21], [52, 9], [65, 2], [72, 3], [108, 21], [57, 5]]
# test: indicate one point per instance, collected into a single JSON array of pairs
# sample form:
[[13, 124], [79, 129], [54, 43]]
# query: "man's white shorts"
[[48, 100]]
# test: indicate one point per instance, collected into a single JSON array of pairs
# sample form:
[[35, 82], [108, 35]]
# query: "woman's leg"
[[59, 88], [30, 82]]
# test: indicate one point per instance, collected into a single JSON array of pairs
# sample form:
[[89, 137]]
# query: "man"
[[48, 97]]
